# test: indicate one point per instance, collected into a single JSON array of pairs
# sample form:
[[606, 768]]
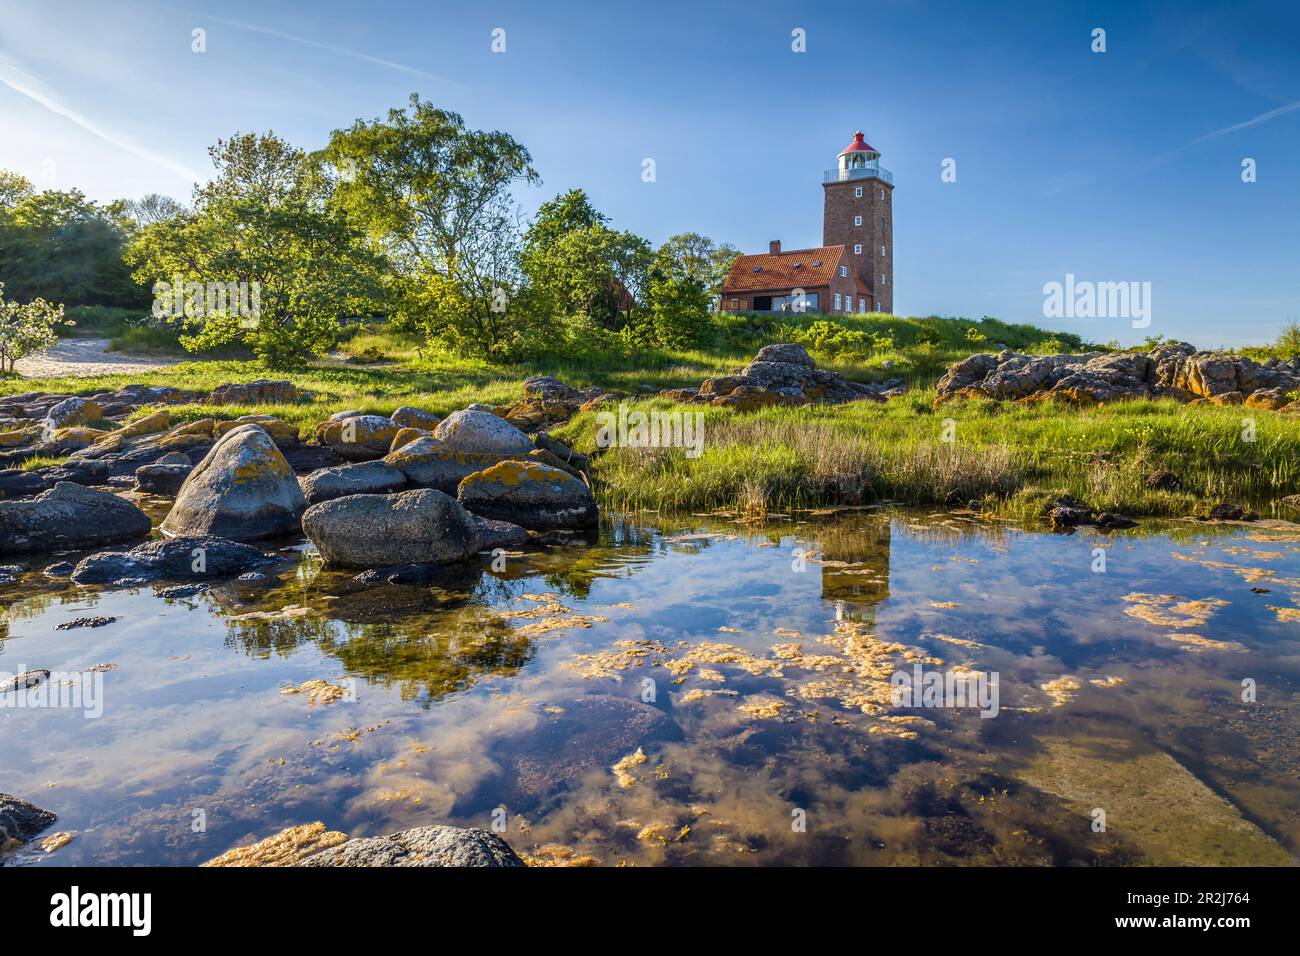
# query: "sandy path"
[[86, 357]]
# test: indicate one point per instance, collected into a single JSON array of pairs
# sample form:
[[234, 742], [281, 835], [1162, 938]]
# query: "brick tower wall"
[[876, 207]]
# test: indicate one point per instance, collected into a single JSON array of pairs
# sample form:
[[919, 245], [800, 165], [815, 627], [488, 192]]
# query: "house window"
[[882, 278], [857, 248], [882, 250], [735, 303], [862, 305], [882, 193], [837, 301], [844, 271], [857, 192], [857, 220]]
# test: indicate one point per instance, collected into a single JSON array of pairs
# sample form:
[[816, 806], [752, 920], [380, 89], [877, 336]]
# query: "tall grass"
[[1012, 459]]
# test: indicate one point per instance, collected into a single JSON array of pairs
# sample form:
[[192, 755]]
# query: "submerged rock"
[[532, 495], [243, 489], [20, 821], [189, 558], [1151, 801], [567, 741], [423, 526], [360, 478], [421, 846], [69, 517]]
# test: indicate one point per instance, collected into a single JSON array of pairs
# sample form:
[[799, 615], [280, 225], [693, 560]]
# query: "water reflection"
[[682, 691]]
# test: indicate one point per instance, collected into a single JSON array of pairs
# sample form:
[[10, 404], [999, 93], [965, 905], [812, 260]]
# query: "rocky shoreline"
[[1175, 370]]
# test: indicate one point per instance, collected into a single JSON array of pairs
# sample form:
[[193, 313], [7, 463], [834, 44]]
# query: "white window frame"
[[857, 248], [844, 272], [862, 305], [857, 220], [882, 250], [837, 300], [857, 192]]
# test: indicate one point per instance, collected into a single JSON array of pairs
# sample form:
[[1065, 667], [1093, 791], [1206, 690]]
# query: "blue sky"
[[1115, 166]]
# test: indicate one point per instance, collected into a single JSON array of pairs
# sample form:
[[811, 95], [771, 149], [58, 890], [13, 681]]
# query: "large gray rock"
[[423, 526], [264, 391], [69, 517], [410, 417], [243, 489], [421, 846], [481, 433], [787, 353], [73, 411], [173, 559], [428, 463], [358, 437], [527, 493], [20, 821], [360, 478]]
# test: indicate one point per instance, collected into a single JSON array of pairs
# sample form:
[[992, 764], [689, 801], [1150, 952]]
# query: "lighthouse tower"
[[858, 215]]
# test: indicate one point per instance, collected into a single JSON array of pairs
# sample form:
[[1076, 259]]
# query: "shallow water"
[[765, 654]]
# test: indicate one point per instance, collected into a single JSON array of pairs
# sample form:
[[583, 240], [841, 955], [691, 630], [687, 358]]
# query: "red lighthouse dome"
[[859, 145]]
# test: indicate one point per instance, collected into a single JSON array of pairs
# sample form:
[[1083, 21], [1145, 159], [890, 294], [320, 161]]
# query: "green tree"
[[60, 246], [691, 254], [434, 197], [679, 310], [583, 269], [26, 329], [264, 232]]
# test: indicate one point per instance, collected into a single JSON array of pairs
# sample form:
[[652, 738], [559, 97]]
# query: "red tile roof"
[[766, 271]]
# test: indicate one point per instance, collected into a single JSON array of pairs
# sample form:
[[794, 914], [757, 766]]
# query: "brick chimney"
[[774, 247]]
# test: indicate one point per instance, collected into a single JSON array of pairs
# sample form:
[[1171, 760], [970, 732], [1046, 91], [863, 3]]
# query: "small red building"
[[852, 271]]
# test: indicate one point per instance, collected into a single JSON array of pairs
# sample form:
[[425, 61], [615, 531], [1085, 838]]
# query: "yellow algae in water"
[[1148, 607], [1062, 690], [550, 624], [763, 708], [622, 769], [959, 641], [57, 841], [317, 691], [1288, 614], [729, 630], [944, 604], [554, 854], [1107, 681], [287, 848], [1195, 642], [700, 693]]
